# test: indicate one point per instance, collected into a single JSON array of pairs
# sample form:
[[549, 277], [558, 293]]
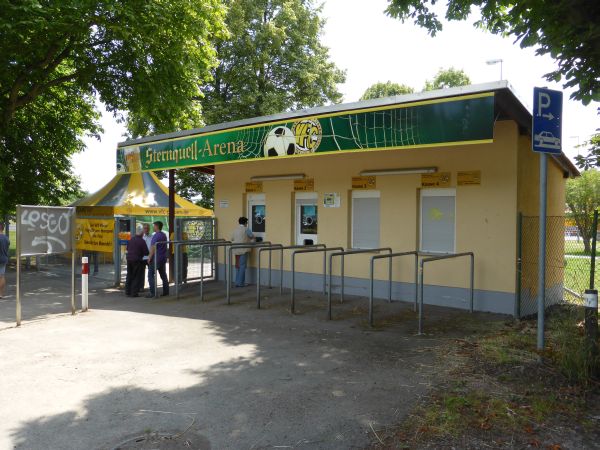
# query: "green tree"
[[272, 61], [446, 78], [583, 198], [146, 58], [387, 89], [565, 29], [592, 159]]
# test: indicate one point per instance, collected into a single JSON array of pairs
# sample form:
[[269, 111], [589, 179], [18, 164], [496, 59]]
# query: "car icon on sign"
[[547, 140]]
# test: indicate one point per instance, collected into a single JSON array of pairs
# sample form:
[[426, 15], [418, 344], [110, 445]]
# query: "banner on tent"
[[439, 122], [94, 234]]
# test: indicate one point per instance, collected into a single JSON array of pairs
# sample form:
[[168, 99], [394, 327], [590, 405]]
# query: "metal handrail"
[[211, 245], [281, 248], [177, 255], [342, 254], [228, 261], [390, 256], [270, 250], [438, 258], [314, 250]]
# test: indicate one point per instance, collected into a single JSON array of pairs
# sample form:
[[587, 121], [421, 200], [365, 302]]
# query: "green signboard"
[[451, 121]]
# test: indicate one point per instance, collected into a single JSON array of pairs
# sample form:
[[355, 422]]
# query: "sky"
[[372, 47]]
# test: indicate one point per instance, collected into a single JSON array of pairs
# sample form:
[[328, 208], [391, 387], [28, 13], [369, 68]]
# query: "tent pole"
[[171, 215]]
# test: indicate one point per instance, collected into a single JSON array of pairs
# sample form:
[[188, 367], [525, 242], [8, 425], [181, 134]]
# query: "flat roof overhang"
[[507, 106]]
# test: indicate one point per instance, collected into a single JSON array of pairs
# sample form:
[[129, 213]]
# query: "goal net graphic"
[[370, 130], [379, 129]]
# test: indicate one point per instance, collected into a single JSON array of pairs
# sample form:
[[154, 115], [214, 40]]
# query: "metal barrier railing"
[[211, 246], [269, 249], [177, 257], [438, 258], [390, 256], [324, 250], [228, 274], [342, 255], [281, 249]]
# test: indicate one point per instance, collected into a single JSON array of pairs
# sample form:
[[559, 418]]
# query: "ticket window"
[[306, 218], [257, 215]]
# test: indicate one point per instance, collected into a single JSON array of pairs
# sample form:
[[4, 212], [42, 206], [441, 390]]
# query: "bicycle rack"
[[228, 274], [342, 255], [213, 246], [438, 258], [278, 247], [270, 250], [390, 256], [176, 255], [314, 250]]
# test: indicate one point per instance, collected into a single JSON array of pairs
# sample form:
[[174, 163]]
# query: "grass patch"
[[492, 391]]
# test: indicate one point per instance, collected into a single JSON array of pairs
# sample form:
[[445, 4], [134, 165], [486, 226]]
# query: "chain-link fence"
[[568, 261]]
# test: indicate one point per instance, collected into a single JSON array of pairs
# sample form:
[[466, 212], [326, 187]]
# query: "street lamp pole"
[[493, 62]]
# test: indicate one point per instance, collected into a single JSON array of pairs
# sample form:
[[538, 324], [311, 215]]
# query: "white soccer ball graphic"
[[280, 141]]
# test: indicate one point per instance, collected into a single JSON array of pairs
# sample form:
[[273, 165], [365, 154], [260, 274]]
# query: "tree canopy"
[[592, 159], [145, 58], [446, 78], [567, 30], [387, 89], [583, 197], [271, 61]]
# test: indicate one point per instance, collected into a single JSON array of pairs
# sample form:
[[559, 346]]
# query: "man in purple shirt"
[[158, 251], [136, 251]]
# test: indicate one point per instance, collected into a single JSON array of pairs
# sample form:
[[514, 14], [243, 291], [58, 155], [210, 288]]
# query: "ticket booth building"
[[440, 172]]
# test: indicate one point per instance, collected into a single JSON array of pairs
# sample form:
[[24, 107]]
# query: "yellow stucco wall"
[[485, 214]]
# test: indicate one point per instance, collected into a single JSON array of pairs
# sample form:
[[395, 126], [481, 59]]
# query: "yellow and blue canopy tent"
[[136, 194]]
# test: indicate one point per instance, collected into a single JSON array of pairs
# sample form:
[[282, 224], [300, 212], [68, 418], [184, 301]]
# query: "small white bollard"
[[85, 271]]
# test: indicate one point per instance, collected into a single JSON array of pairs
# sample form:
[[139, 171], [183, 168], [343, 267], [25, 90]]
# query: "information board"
[[44, 230]]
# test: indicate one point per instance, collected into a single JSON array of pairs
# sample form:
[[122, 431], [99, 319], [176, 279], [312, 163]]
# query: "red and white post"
[[85, 271]]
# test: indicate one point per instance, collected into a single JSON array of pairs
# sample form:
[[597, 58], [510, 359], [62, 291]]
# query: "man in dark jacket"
[[136, 250]]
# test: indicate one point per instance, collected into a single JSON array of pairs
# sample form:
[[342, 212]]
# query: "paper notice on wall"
[[223, 203], [331, 200]]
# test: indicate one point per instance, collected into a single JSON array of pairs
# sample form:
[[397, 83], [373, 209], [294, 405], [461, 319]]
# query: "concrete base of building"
[[453, 297]]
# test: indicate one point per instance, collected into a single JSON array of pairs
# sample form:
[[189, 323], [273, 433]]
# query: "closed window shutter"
[[365, 222], [438, 223]]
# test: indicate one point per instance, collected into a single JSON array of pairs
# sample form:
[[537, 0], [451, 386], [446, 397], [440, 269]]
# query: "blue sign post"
[[546, 136], [547, 121]]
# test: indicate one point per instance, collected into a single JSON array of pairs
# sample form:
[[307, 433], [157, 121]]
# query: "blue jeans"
[[160, 268], [240, 275]]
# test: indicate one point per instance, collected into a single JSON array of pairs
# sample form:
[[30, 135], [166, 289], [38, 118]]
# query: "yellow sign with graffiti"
[[94, 234]]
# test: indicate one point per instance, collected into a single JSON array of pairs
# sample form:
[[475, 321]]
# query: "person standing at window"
[[241, 235]]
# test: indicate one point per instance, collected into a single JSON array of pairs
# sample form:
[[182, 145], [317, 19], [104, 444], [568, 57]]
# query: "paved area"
[[219, 376]]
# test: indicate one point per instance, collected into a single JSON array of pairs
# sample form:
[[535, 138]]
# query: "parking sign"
[[547, 121]]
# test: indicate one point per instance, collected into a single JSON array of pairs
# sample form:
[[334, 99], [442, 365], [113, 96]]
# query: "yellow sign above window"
[[304, 185], [254, 187], [364, 183], [468, 178], [437, 179]]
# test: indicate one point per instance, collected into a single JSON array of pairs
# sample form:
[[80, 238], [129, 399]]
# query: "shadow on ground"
[[213, 375]]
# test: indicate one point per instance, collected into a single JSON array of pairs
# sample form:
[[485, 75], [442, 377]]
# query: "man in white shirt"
[[241, 235]]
